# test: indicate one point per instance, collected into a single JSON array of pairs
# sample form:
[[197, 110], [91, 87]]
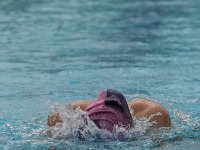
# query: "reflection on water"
[[59, 51]]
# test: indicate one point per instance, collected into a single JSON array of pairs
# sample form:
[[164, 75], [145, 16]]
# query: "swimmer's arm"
[[54, 118]]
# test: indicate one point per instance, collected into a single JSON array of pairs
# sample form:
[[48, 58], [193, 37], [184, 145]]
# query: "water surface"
[[58, 51]]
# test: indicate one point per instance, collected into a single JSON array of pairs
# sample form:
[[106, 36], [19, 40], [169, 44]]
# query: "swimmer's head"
[[110, 109]]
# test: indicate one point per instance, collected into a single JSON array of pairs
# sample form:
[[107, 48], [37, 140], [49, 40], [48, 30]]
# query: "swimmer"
[[110, 108]]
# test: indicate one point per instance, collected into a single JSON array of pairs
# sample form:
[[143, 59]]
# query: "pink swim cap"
[[109, 109]]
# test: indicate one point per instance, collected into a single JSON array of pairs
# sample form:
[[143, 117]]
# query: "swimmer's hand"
[[53, 119]]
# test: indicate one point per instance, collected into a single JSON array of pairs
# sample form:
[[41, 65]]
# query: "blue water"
[[58, 51]]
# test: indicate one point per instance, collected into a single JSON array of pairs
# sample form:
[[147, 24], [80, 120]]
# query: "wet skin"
[[141, 107]]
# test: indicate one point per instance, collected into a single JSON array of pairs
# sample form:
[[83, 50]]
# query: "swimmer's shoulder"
[[139, 104], [143, 103], [145, 108], [83, 104]]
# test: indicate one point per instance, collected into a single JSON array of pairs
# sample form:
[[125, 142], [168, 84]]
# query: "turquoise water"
[[58, 51]]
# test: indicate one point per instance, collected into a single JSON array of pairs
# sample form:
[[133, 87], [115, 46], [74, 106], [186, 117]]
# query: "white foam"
[[76, 123]]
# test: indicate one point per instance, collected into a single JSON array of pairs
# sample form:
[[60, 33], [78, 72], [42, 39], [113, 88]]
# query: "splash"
[[33, 133], [73, 122], [76, 123]]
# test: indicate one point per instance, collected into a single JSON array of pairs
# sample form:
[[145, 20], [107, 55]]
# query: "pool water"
[[54, 52]]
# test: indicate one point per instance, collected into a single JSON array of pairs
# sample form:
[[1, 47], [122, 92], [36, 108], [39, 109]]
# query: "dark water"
[[58, 51]]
